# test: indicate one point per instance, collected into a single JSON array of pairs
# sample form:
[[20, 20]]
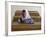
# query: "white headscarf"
[[27, 14]]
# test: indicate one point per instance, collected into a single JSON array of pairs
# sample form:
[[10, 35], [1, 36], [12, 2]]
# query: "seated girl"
[[25, 17]]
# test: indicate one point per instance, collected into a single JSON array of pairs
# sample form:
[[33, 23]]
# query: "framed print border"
[[8, 18]]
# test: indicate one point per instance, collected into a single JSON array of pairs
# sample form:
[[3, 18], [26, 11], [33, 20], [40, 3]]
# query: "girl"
[[25, 17]]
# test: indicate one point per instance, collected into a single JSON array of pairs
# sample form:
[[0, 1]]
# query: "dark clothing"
[[29, 21]]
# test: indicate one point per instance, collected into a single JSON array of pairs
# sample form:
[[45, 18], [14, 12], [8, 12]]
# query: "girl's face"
[[23, 13]]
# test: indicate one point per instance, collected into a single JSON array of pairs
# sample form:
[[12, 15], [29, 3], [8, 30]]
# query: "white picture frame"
[[8, 13]]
